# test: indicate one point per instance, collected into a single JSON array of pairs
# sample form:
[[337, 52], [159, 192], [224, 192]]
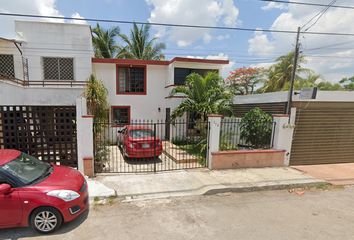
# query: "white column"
[[213, 138], [84, 133], [283, 135]]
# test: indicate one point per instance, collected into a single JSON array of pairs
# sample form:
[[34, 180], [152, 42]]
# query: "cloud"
[[324, 53], [33, 7], [77, 15], [186, 12], [273, 5]]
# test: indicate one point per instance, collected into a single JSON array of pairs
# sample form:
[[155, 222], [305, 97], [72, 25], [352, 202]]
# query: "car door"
[[10, 206]]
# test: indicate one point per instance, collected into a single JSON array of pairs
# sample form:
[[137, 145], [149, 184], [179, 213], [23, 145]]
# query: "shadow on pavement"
[[18, 233]]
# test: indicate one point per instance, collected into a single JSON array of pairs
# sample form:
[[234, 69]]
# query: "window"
[[7, 64], [180, 74], [131, 80], [121, 115], [58, 68]]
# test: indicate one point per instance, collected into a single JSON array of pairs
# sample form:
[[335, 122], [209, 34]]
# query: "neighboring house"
[[139, 89], [47, 66], [324, 127]]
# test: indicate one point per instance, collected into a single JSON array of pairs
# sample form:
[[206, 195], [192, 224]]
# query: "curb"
[[260, 188]]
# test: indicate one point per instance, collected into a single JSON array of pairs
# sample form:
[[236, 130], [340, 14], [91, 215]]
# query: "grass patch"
[[194, 150], [96, 199]]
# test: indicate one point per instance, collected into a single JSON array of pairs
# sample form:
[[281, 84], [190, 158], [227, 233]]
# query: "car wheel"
[[46, 220]]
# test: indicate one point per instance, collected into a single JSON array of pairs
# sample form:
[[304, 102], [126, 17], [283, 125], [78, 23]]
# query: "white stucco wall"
[[45, 39], [17, 95], [141, 106]]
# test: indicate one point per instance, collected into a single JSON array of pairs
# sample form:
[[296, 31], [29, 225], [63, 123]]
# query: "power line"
[[320, 13], [177, 25], [307, 4]]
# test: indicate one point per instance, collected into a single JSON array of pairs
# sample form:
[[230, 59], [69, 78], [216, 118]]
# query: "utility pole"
[[296, 54]]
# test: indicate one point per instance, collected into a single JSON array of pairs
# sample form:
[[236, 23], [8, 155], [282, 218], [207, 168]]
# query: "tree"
[[350, 85], [242, 81], [279, 74], [104, 43], [96, 96], [204, 96], [309, 81], [328, 86], [139, 47]]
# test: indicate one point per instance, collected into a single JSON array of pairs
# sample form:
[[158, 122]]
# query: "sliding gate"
[[141, 146]]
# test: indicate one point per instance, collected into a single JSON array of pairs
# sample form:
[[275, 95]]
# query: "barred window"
[[121, 114], [58, 68], [131, 80], [7, 64]]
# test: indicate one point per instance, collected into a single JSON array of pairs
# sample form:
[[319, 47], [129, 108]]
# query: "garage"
[[324, 133]]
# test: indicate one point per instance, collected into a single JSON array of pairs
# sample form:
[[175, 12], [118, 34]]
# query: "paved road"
[[256, 215]]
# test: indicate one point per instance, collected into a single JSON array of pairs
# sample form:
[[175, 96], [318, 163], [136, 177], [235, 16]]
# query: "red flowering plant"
[[242, 81]]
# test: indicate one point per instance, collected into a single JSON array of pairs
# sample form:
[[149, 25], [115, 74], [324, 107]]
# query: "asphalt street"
[[281, 214]]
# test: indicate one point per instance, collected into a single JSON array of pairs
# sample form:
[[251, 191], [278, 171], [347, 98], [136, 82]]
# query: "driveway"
[[117, 163], [336, 174]]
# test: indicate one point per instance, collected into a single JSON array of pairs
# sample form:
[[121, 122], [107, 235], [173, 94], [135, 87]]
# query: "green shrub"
[[256, 128]]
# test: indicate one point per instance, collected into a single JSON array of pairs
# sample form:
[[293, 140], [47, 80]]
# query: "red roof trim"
[[213, 61], [154, 62], [129, 61]]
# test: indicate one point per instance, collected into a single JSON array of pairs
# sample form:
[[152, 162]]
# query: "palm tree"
[[279, 74], [104, 44], [309, 81], [204, 96], [139, 47]]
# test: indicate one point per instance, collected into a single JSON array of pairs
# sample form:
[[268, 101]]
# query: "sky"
[[328, 55]]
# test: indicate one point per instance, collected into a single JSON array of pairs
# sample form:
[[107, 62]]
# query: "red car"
[[38, 194], [138, 142]]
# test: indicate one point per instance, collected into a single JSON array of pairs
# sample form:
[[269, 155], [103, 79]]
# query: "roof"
[[7, 155], [155, 62]]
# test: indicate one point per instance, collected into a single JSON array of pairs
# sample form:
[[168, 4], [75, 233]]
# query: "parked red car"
[[138, 142], [38, 194]]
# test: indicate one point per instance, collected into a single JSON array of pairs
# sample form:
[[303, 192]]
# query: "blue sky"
[[242, 48]]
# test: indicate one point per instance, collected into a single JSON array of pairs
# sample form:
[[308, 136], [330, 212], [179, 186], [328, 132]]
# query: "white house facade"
[[47, 66], [139, 89]]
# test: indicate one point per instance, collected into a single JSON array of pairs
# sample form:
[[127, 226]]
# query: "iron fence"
[[149, 146], [238, 134]]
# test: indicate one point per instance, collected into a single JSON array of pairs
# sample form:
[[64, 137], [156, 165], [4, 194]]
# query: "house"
[[47, 66], [323, 127], [41, 75], [139, 89]]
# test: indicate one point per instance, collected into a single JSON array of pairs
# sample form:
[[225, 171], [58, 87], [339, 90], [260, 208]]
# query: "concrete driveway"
[[336, 174]]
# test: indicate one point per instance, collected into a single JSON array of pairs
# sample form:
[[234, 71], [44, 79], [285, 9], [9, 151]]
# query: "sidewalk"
[[196, 182]]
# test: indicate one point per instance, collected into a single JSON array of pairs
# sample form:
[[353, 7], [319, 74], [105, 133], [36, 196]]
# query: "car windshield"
[[26, 168], [140, 133]]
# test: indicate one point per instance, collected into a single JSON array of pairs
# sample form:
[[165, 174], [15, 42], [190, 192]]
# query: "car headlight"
[[66, 195]]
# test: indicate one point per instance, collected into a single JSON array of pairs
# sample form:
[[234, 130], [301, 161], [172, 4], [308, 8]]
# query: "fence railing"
[[236, 134], [44, 83]]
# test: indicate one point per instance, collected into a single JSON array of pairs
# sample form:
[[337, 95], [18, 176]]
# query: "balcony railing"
[[44, 83]]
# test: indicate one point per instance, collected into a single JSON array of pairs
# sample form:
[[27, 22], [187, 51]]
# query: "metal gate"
[[46, 132], [142, 146], [324, 133]]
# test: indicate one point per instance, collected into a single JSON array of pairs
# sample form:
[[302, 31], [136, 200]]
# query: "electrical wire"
[[178, 25], [320, 15], [307, 4]]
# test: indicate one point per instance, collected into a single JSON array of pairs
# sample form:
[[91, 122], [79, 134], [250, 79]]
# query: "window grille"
[[131, 79], [7, 64], [58, 68], [120, 115]]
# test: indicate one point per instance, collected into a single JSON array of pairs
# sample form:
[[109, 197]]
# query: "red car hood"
[[62, 178]]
